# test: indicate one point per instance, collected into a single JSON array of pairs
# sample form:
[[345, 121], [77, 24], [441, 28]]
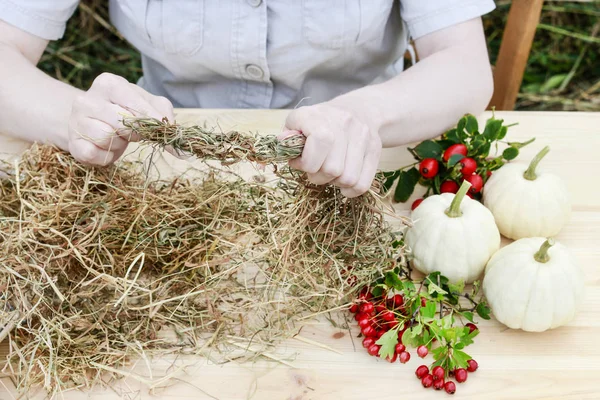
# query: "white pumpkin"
[[452, 234], [527, 202], [533, 284]]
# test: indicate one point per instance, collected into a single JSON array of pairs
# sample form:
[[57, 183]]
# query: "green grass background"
[[563, 71]]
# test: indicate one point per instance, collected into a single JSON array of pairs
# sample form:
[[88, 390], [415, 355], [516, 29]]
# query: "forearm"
[[34, 106], [452, 78]]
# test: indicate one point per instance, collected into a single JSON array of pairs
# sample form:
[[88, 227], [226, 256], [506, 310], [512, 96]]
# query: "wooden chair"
[[515, 47]]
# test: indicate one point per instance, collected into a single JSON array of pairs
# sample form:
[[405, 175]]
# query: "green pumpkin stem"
[[529, 174], [454, 210], [542, 254]]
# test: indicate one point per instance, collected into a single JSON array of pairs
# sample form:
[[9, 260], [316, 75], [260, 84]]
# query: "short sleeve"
[[424, 17], [46, 19]]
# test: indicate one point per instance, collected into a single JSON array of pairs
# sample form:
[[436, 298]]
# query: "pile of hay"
[[100, 265]]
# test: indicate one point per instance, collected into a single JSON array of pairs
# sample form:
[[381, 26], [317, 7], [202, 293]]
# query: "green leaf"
[[450, 334], [455, 158], [492, 129], [428, 149], [483, 310], [417, 330], [388, 343], [408, 339], [485, 150], [472, 125], [468, 315], [453, 136], [437, 183], [433, 288], [392, 280], [476, 144], [502, 133], [518, 145], [377, 291], [510, 153], [460, 126], [456, 288], [429, 310], [460, 358], [459, 346], [406, 184], [390, 179]]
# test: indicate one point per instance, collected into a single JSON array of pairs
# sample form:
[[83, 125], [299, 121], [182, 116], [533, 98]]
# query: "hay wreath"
[[100, 265]]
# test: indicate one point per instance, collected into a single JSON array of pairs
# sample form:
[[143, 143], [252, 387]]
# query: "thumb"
[[288, 133]]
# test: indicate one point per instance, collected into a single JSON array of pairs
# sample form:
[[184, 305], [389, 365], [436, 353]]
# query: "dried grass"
[[102, 266]]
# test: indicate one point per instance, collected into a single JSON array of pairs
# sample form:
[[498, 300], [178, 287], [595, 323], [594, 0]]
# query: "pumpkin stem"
[[529, 174], [454, 210], [542, 254]]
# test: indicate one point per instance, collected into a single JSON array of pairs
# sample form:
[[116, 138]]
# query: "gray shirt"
[[259, 53]]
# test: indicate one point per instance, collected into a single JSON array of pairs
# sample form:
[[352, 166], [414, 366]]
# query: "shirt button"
[[254, 71], [255, 3]]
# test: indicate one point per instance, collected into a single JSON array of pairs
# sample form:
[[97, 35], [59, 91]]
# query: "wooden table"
[[559, 364]]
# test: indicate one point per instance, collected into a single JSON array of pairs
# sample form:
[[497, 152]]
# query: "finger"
[[119, 91], [87, 153], [353, 166], [112, 115], [370, 164], [162, 105], [288, 133], [332, 167], [100, 134], [319, 141]]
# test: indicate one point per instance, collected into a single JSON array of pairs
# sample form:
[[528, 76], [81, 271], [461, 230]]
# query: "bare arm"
[[453, 77], [36, 107], [346, 134]]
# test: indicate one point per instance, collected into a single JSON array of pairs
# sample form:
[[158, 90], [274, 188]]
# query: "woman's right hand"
[[96, 135]]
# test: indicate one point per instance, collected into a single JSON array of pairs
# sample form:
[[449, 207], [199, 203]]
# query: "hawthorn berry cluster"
[[462, 153], [396, 314]]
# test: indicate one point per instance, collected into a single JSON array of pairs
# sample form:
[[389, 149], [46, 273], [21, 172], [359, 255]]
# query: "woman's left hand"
[[340, 148]]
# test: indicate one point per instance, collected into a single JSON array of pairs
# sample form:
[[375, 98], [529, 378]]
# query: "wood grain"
[[558, 364], [515, 47]]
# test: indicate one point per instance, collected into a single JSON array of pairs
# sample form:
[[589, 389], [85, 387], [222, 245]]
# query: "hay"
[[102, 266]]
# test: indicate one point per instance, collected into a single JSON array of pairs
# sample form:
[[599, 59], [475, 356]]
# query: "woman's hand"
[[96, 117], [340, 148]]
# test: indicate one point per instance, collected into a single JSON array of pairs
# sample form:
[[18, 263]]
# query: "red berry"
[[488, 173], [404, 357], [476, 182], [416, 203], [423, 302], [472, 365], [455, 149], [392, 358], [449, 187], [427, 381], [422, 371], [397, 300], [400, 348], [469, 166], [439, 384], [368, 342], [388, 316], [429, 168], [461, 375], [438, 373], [354, 308], [379, 333], [368, 331], [374, 350], [422, 351], [450, 387], [472, 327], [360, 315], [367, 308], [391, 324], [364, 323]]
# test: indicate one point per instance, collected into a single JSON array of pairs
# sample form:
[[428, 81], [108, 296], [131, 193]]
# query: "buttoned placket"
[[249, 54]]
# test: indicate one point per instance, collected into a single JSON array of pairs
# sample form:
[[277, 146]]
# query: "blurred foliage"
[[563, 71]]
